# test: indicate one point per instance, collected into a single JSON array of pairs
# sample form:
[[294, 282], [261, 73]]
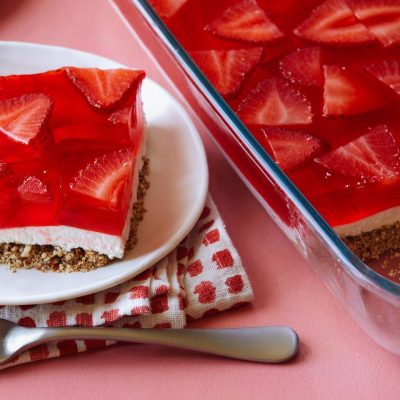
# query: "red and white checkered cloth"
[[202, 276]]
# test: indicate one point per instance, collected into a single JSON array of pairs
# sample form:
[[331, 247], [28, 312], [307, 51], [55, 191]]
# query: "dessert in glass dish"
[[72, 166], [318, 85], [174, 31]]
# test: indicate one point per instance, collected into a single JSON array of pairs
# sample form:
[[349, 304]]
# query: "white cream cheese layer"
[[375, 221]]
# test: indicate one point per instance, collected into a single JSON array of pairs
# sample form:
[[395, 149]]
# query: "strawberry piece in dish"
[[304, 67], [246, 21], [388, 72], [275, 102], [373, 157], [381, 18], [227, 70], [333, 23], [290, 148], [167, 8], [347, 93]]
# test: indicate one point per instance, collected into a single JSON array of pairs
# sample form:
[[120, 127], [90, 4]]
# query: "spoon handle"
[[268, 344]]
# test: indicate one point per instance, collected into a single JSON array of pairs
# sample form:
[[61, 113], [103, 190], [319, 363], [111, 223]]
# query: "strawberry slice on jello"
[[120, 116], [227, 70], [348, 93], [381, 17], [387, 72], [292, 149], [167, 8], [33, 189], [246, 21], [303, 67], [275, 102], [373, 157], [22, 118], [104, 88], [333, 22], [105, 177]]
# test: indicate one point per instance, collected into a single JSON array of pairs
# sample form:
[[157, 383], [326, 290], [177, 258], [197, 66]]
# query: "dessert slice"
[[72, 147]]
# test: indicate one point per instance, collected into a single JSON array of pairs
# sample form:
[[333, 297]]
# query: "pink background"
[[337, 360]]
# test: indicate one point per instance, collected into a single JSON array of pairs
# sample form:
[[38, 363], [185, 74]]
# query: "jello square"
[[72, 145], [317, 83]]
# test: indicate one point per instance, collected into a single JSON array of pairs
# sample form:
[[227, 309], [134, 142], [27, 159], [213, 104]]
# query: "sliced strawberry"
[[104, 88], [33, 189], [292, 148], [246, 21], [387, 72], [22, 118], [372, 157], [227, 70], [348, 93], [167, 8], [120, 116], [105, 177], [381, 17], [275, 102], [303, 67], [333, 22]]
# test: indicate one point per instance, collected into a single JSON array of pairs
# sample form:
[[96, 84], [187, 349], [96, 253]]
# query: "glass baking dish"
[[372, 300]]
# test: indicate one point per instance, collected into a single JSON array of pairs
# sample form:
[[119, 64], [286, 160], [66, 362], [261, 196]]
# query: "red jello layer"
[[51, 180], [340, 198]]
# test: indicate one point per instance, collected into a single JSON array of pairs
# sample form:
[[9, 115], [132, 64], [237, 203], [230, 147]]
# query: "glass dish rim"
[[319, 225]]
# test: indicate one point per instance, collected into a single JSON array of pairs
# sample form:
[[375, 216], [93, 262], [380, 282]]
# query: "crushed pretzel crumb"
[[371, 245]]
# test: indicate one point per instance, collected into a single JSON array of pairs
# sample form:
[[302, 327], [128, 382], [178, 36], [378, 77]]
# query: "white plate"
[[179, 183]]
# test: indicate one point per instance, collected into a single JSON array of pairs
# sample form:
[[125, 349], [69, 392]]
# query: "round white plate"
[[179, 184]]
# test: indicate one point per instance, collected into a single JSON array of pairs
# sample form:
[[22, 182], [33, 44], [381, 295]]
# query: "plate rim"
[[183, 231]]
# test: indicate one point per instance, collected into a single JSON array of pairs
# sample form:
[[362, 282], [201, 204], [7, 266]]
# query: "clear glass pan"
[[372, 300]]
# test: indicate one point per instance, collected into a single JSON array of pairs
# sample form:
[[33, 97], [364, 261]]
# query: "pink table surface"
[[337, 360]]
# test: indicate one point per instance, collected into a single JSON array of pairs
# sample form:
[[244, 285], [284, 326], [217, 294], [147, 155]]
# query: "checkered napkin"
[[202, 276]]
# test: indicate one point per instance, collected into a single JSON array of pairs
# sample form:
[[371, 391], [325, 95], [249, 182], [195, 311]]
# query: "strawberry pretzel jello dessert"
[[72, 147], [318, 84]]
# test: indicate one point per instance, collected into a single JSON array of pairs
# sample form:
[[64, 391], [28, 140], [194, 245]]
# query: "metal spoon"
[[267, 344]]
